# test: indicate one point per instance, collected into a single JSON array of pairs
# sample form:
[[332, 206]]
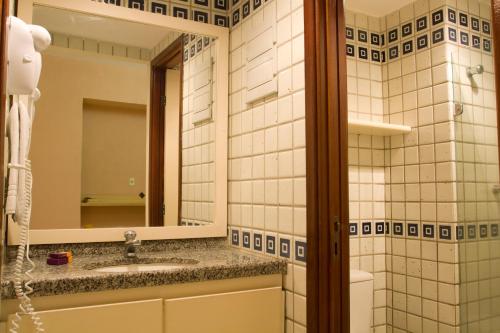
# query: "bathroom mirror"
[[131, 126]]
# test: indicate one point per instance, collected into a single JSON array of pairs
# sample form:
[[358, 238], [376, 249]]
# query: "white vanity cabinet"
[[248, 311], [130, 317], [244, 305]]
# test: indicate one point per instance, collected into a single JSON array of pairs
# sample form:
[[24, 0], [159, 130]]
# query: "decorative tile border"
[[206, 11], [425, 231], [241, 9], [194, 45], [440, 25], [270, 243]]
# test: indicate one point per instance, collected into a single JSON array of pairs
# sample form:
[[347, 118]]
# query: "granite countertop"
[[197, 264]]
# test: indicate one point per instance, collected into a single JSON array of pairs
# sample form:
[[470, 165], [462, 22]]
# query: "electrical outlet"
[[131, 181]]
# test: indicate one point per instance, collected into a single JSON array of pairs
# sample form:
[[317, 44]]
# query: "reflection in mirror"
[[125, 134]]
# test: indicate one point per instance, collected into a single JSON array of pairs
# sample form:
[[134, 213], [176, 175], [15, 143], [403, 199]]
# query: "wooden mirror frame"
[[220, 115]]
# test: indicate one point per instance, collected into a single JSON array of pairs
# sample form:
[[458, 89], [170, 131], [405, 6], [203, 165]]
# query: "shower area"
[[423, 163]]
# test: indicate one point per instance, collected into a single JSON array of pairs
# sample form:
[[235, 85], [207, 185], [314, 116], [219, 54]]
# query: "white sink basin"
[[140, 268]]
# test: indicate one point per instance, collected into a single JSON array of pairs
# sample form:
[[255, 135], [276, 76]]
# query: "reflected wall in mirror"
[[125, 134], [182, 126]]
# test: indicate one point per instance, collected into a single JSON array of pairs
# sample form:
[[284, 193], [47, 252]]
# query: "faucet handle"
[[130, 235]]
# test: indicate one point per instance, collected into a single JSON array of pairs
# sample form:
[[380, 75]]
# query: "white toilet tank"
[[361, 301]]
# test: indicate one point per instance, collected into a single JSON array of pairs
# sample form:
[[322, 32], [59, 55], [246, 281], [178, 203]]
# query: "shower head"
[[471, 71]]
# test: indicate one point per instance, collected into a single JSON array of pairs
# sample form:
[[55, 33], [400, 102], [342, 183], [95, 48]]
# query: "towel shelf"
[[112, 201], [367, 127]]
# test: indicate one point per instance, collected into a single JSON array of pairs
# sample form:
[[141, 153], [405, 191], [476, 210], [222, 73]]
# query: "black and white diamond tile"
[[438, 36], [413, 229], [483, 230], [464, 38], [353, 229], [422, 42], [285, 247], [407, 47], [379, 228], [257, 242], [452, 16], [406, 30], [428, 231], [445, 232], [393, 35], [471, 231], [235, 237], [437, 17], [246, 239], [463, 20], [349, 33], [300, 251], [494, 230], [270, 244], [362, 36], [475, 24], [421, 23], [159, 8], [486, 27], [397, 229], [136, 4], [363, 53], [366, 228], [475, 41], [394, 52]]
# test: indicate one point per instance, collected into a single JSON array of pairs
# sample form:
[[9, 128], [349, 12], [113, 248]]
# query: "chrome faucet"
[[131, 244]]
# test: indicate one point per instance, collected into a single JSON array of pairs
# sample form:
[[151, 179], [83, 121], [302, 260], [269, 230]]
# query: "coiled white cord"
[[25, 306]]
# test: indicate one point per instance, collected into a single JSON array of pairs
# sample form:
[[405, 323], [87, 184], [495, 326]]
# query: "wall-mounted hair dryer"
[[24, 64]]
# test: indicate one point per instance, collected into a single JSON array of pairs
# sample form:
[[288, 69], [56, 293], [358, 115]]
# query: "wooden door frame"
[[327, 169], [171, 57]]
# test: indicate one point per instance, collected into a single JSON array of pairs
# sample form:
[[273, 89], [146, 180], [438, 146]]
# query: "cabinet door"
[[250, 311], [131, 317]]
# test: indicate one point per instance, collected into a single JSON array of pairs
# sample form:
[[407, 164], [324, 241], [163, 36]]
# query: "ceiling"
[[376, 8], [98, 28]]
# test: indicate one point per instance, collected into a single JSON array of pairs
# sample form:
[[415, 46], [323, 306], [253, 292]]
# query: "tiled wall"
[[366, 100], [476, 174], [428, 190], [267, 212], [198, 140]]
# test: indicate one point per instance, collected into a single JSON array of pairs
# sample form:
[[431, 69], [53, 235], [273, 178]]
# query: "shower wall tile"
[[435, 178]]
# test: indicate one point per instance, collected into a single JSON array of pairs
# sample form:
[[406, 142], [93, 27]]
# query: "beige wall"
[[110, 217], [172, 138], [113, 149], [67, 78]]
